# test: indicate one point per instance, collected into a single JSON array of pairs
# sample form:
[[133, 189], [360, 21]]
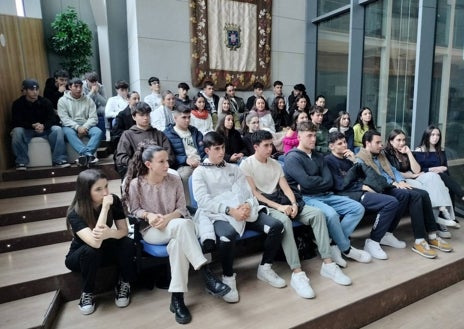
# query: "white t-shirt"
[[265, 175]]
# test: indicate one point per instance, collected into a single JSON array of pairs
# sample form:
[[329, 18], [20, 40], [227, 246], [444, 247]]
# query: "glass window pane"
[[389, 63], [447, 108], [332, 62], [326, 6]]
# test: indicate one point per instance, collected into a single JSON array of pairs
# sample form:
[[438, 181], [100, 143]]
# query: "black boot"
[[178, 307], [213, 285]]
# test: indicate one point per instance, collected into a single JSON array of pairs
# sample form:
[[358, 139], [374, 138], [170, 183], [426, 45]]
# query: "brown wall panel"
[[22, 56]]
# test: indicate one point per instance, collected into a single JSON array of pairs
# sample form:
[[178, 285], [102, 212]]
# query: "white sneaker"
[[232, 296], [332, 271], [337, 256], [390, 240], [443, 232], [300, 282], [447, 222], [267, 274], [374, 249], [359, 255]]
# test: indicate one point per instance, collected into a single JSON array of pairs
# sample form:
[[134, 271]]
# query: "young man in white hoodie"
[[226, 207], [79, 118]]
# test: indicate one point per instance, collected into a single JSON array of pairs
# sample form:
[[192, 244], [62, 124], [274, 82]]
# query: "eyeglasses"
[[154, 83]]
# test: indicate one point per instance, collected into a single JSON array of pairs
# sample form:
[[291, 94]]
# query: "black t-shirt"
[[77, 223]]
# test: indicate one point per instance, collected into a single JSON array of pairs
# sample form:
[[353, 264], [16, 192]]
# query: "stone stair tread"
[[28, 312], [32, 264], [37, 182], [35, 202], [32, 228], [427, 313]]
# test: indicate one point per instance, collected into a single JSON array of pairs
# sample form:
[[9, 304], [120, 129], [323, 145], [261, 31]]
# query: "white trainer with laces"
[[374, 249], [337, 256], [390, 240], [359, 255], [333, 272], [232, 296], [267, 274], [300, 282]]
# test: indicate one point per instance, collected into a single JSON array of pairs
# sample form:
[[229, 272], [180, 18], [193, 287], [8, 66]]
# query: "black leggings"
[[87, 260]]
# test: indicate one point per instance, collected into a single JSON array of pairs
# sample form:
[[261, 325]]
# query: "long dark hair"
[[370, 124], [221, 128], [137, 169], [82, 202], [425, 141]]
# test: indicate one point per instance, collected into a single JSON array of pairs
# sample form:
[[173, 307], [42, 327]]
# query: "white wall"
[[31, 8], [159, 43]]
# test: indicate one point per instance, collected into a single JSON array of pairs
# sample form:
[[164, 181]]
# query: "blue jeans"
[[95, 135], [333, 206], [21, 137]]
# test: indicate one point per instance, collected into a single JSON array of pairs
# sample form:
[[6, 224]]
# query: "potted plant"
[[72, 40]]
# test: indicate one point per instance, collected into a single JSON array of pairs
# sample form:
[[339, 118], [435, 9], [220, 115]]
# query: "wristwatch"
[[227, 210]]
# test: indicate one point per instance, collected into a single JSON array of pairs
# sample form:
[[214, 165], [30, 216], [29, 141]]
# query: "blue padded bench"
[[160, 250]]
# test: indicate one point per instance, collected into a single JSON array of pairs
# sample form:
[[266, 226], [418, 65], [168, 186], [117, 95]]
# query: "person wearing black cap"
[[154, 99], [34, 116]]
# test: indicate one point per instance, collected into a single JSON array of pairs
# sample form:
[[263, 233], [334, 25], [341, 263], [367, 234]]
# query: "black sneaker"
[[61, 164], [81, 160], [87, 303], [92, 159], [122, 290], [21, 166]]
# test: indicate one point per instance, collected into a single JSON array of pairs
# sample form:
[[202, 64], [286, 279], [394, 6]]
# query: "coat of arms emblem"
[[232, 39]]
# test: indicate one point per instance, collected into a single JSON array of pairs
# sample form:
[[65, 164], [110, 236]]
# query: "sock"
[[432, 236], [347, 251], [418, 241]]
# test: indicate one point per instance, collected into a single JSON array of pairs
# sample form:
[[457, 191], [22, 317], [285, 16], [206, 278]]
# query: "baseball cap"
[[30, 84]]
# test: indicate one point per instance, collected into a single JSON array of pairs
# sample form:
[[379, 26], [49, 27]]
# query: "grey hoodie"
[[77, 112]]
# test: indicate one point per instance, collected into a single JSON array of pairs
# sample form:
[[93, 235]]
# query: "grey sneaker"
[[87, 303], [122, 290], [21, 166]]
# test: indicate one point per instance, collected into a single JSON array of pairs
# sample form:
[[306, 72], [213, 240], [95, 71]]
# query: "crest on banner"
[[232, 39]]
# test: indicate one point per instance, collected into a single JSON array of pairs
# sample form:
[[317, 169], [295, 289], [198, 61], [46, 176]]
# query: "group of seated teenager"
[[328, 192]]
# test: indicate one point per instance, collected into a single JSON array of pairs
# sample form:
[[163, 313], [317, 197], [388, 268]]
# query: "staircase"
[[38, 291], [34, 241]]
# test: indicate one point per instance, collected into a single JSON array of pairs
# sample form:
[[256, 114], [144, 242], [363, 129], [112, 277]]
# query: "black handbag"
[[279, 197]]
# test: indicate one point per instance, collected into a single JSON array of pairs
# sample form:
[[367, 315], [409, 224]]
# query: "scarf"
[[367, 157], [260, 114], [200, 114]]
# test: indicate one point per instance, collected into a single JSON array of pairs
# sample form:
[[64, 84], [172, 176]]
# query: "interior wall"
[[23, 55], [159, 43]]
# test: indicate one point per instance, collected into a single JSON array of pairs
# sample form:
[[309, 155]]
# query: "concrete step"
[[34, 234], [105, 164], [439, 310], [37, 311], [41, 207]]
